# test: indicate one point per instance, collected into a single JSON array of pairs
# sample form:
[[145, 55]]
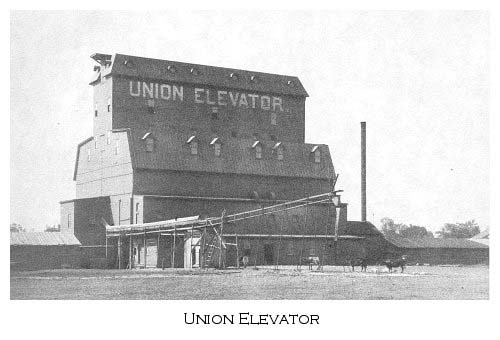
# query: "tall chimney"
[[363, 171]]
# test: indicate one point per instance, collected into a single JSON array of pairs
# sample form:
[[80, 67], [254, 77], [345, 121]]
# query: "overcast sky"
[[419, 80]]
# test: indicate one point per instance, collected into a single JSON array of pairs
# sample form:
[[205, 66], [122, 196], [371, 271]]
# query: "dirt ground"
[[417, 282]]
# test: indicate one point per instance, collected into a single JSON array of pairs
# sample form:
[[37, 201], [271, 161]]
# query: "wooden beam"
[[119, 252], [237, 254], [173, 249], [130, 257]]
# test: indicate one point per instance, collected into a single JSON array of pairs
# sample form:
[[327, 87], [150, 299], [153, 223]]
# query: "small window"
[[117, 144], [215, 114], [151, 106], [258, 152], [194, 147], [273, 138], [95, 143], [108, 138], [150, 144], [273, 118], [317, 156], [69, 221], [279, 152], [96, 113], [217, 149], [88, 155], [109, 104]]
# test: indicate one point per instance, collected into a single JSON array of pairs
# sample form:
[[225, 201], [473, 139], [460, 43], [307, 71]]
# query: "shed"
[[44, 250], [439, 250]]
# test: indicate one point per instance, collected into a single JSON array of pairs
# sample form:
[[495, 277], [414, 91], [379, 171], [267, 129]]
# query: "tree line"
[[449, 230]]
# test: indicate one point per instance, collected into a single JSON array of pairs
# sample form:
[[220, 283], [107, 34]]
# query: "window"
[[95, 143], [151, 106], [194, 147], [215, 114], [273, 138], [273, 118], [279, 151], [149, 141], [233, 134], [317, 156], [108, 138], [258, 152], [109, 104], [150, 144], [217, 146], [116, 147], [95, 110], [88, 155], [69, 221], [258, 149]]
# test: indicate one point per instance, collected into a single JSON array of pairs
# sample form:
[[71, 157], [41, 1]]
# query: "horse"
[[362, 262], [311, 260], [244, 259], [401, 262]]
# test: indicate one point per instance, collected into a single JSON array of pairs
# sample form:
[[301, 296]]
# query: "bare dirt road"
[[333, 283]]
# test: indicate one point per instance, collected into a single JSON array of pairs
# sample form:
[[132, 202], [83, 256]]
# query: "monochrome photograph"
[[249, 155]]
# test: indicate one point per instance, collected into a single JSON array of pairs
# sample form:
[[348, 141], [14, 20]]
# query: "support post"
[[237, 254], [220, 238], [191, 249], [158, 250], [130, 257], [145, 250], [173, 248], [119, 251], [202, 248], [336, 235]]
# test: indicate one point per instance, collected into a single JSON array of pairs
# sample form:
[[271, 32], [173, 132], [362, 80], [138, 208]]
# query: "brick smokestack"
[[363, 171]]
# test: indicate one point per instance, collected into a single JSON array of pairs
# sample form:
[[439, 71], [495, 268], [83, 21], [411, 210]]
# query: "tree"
[[403, 230], [415, 231], [16, 228], [388, 226], [459, 230]]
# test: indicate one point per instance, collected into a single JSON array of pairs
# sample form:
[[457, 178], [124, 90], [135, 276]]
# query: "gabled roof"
[[430, 242], [174, 71], [43, 239]]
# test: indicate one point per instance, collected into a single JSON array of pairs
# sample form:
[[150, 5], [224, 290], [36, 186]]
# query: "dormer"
[[257, 146], [193, 144], [149, 142], [278, 151], [316, 152], [217, 145]]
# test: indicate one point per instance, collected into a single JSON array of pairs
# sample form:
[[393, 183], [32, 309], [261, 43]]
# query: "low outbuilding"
[[434, 251], [44, 250]]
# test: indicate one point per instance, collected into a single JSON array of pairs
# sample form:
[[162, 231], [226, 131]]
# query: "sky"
[[420, 80]]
